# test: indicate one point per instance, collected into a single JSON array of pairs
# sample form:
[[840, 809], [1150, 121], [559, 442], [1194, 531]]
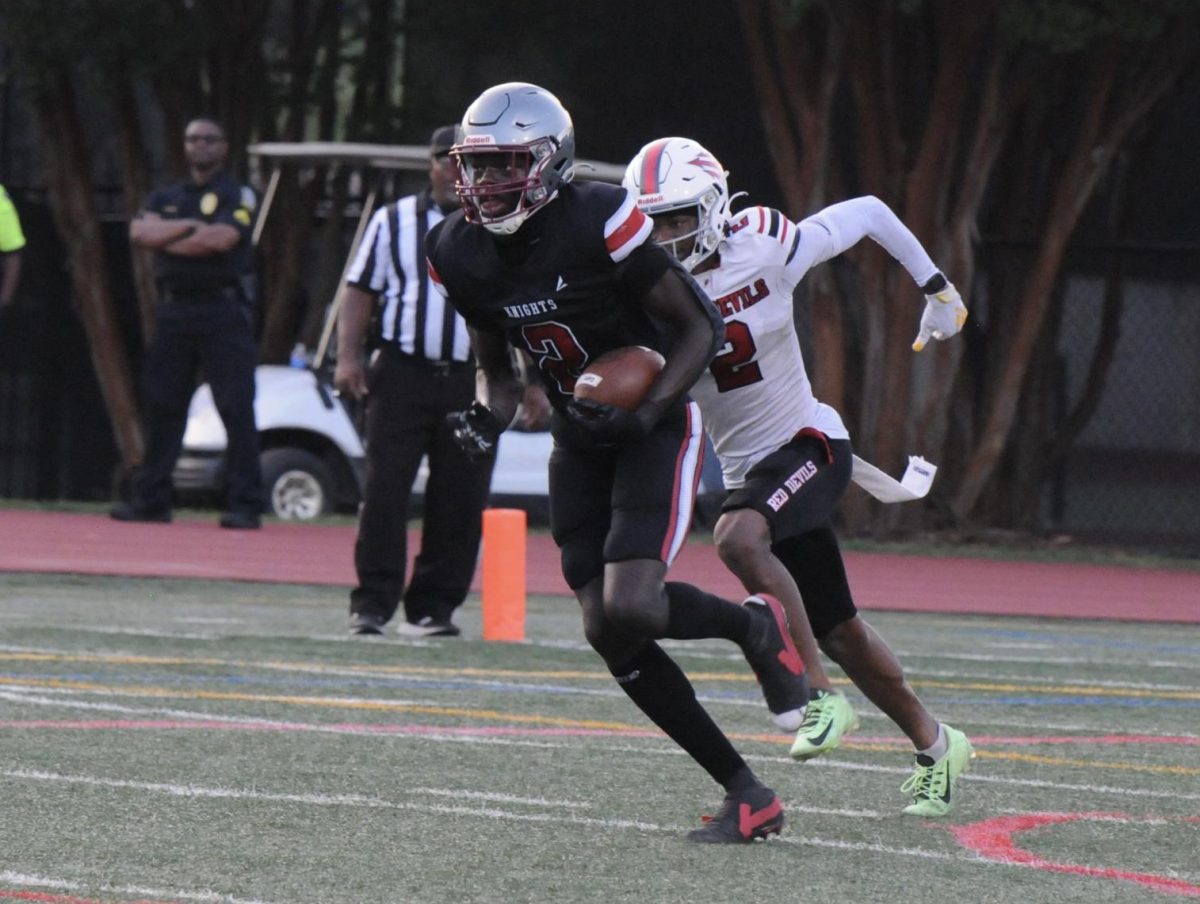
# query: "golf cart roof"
[[389, 156]]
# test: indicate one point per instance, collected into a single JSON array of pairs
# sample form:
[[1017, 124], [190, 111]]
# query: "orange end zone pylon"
[[504, 574]]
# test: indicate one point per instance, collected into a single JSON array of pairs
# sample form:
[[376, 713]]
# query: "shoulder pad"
[[764, 221]]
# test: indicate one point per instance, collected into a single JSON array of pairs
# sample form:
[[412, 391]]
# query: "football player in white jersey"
[[786, 457]]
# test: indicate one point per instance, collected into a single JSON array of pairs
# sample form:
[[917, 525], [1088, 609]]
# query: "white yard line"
[[650, 746], [490, 813], [11, 877]]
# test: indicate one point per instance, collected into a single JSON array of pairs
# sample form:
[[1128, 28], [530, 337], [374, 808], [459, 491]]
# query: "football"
[[621, 377]]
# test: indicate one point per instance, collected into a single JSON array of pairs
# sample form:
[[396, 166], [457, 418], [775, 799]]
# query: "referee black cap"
[[442, 139]]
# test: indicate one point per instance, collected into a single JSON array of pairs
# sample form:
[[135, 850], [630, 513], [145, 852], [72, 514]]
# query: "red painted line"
[[45, 898], [1174, 740], [500, 731], [993, 839], [129, 724], [1021, 741], [359, 727]]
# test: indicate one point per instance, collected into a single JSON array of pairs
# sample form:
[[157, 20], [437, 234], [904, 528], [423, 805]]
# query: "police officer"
[[199, 230]]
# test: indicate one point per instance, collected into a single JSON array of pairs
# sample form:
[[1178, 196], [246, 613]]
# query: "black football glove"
[[606, 424], [476, 430]]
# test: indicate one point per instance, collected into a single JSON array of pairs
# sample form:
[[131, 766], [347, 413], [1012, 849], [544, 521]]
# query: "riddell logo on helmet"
[[479, 139], [646, 200]]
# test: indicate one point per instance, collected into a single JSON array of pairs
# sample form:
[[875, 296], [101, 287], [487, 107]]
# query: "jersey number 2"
[[735, 366]]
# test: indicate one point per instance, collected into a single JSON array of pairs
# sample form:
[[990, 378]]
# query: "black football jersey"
[[566, 288]]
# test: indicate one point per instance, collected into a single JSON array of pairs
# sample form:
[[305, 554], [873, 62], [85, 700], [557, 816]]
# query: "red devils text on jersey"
[[566, 288]]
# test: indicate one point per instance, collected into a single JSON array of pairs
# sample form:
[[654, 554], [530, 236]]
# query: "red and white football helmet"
[[675, 174], [516, 146]]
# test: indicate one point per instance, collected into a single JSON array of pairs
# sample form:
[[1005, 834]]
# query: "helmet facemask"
[[693, 248], [521, 176]]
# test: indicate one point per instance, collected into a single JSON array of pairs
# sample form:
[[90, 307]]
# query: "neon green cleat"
[[829, 716], [932, 783]]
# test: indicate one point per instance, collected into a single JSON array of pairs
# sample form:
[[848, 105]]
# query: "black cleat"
[[744, 817], [366, 624], [127, 511], [776, 663]]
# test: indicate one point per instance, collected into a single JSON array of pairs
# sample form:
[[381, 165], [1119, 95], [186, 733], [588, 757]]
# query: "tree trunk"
[[783, 144], [370, 110], [1117, 103], [135, 187], [235, 69], [73, 201]]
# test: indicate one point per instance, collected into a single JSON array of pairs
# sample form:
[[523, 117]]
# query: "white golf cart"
[[312, 449]]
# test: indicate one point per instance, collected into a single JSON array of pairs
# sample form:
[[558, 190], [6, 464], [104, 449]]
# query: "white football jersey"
[[756, 394]]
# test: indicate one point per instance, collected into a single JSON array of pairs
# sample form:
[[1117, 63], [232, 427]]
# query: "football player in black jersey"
[[565, 273]]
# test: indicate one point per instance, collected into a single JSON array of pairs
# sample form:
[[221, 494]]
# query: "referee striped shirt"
[[390, 263]]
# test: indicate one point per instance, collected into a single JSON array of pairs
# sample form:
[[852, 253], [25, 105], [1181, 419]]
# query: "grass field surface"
[[175, 741]]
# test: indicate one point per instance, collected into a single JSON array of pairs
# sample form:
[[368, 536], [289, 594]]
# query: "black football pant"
[[406, 419], [214, 335]]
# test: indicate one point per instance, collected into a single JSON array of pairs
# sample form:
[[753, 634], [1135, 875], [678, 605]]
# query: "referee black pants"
[[406, 419]]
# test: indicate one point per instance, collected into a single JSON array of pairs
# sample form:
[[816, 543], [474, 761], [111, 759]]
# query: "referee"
[[421, 372]]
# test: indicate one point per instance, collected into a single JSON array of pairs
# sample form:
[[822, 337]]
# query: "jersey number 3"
[[557, 352], [735, 366]]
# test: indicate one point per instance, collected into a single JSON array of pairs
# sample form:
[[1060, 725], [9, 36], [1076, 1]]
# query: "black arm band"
[[935, 285]]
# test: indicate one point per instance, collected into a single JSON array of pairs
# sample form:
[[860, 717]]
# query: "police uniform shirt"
[[11, 237], [220, 200], [587, 263], [390, 263]]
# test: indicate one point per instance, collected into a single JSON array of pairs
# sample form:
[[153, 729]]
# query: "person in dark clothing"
[[421, 371], [564, 273], [200, 231]]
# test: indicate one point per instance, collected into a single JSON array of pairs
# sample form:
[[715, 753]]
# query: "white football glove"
[[944, 316]]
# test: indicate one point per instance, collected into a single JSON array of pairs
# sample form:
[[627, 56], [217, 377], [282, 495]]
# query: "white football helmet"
[[676, 174], [515, 147]]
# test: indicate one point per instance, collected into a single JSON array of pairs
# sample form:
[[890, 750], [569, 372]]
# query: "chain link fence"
[[1133, 471]]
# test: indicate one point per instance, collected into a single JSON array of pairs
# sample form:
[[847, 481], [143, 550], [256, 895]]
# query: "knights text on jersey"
[[756, 395], [561, 289]]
